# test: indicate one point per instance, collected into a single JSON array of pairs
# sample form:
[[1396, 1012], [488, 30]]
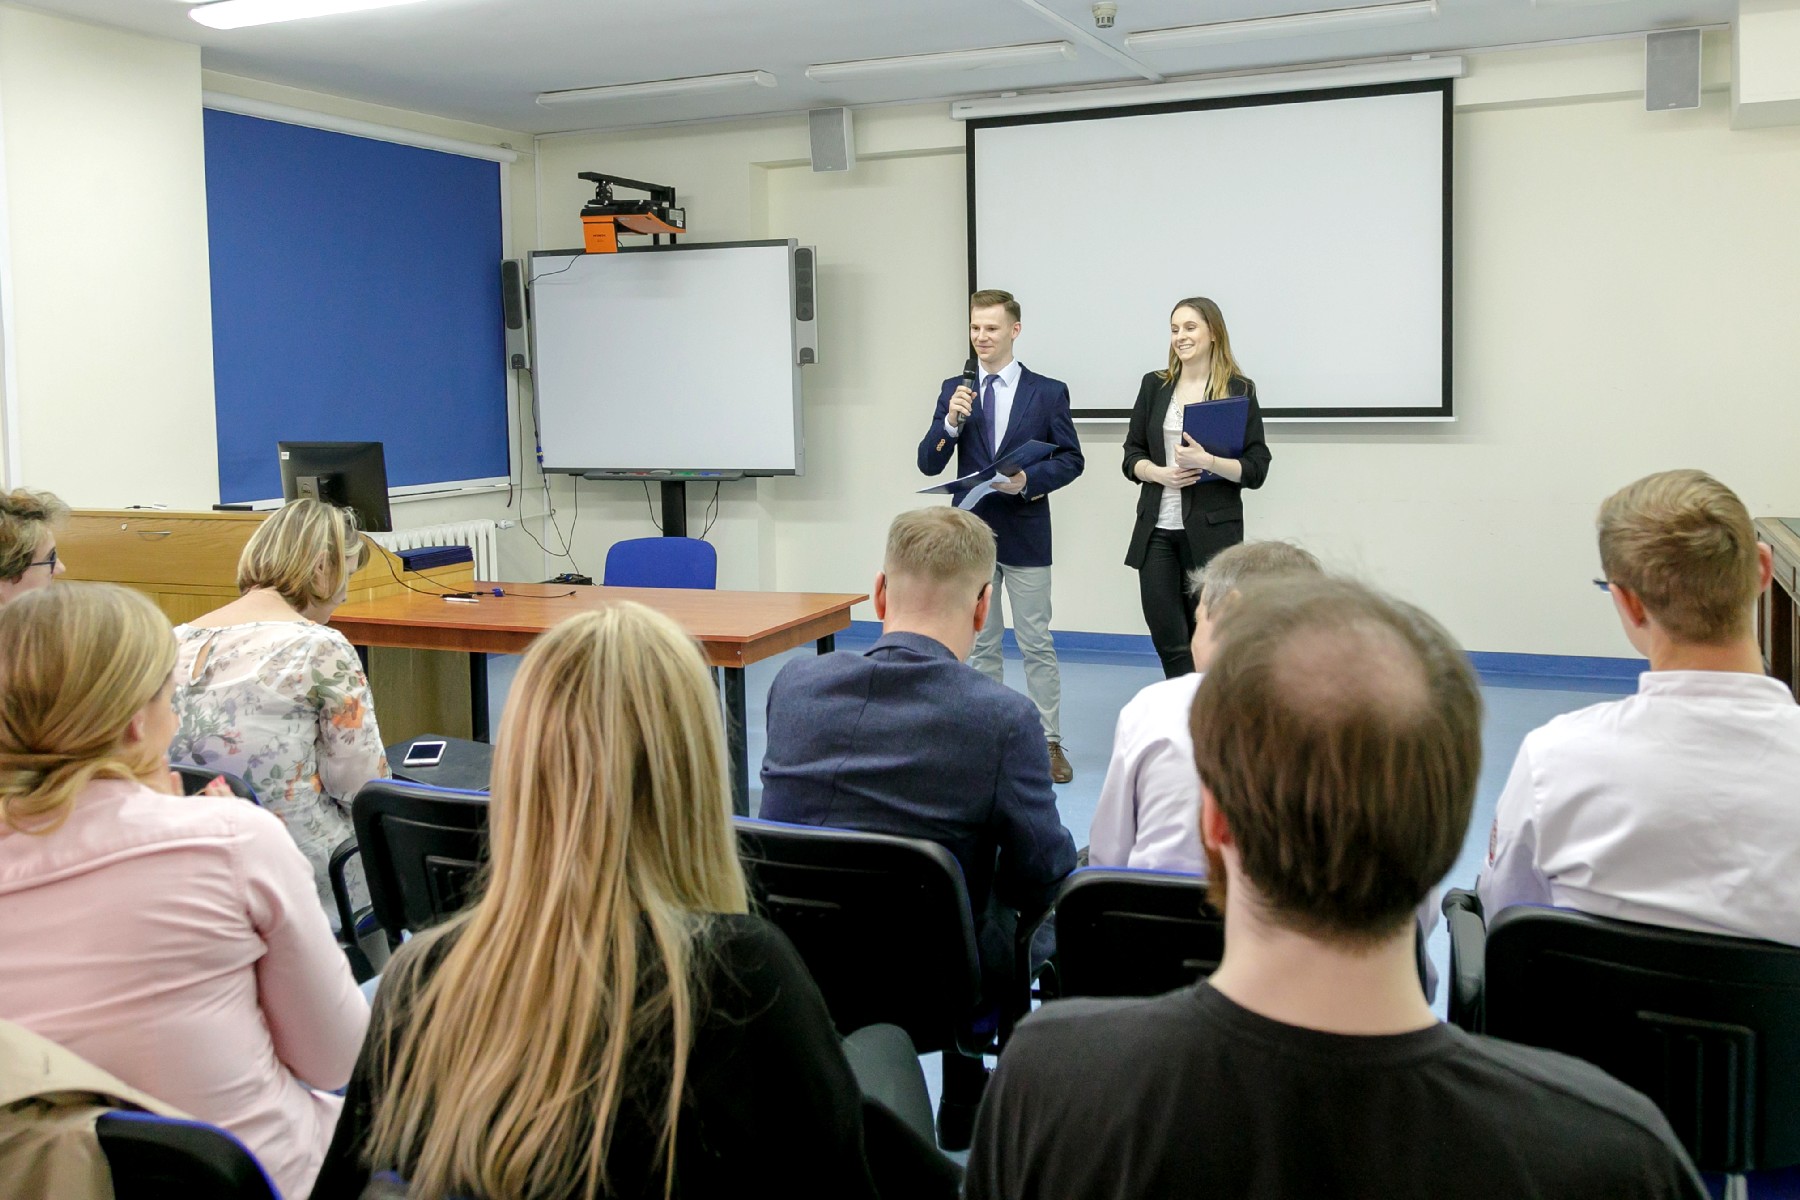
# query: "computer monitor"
[[348, 474]]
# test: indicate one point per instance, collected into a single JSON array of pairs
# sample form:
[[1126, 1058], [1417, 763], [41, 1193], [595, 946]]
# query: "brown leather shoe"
[[1060, 770]]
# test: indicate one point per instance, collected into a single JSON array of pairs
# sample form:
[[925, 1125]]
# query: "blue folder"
[[1010, 463], [1219, 426]]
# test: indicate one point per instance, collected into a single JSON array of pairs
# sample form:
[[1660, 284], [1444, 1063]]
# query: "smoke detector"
[[1104, 13]]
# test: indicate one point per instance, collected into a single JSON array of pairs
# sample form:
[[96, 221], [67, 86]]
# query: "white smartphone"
[[426, 752]]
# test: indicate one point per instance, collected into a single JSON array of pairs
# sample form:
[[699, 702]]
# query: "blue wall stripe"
[[355, 297]]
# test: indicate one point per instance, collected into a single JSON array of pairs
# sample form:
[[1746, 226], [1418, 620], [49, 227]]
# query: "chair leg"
[[1737, 1187]]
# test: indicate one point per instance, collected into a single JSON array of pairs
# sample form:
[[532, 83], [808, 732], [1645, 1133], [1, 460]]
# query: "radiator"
[[478, 536]]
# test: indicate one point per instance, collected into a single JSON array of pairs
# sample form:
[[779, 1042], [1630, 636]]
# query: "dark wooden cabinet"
[[1775, 609]]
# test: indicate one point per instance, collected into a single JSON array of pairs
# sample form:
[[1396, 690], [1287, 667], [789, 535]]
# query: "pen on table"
[[460, 600]]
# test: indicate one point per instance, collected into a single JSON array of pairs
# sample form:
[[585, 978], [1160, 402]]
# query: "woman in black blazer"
[[1182, 519]]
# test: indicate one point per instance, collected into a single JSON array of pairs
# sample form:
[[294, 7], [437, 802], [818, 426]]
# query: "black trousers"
[[1168, 609]]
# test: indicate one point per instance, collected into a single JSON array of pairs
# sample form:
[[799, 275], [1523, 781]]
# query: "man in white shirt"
[[1679, 806], [1149, 812]]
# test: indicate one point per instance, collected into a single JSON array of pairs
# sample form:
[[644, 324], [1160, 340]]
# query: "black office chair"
[[1706, 1026], [422, 851], [883, 925], [194, 779], [154, 1158], [1124, 932]]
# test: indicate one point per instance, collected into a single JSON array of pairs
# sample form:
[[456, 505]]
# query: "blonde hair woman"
[[606, 1019], [1190, 502], [171, 941], [265, 690]]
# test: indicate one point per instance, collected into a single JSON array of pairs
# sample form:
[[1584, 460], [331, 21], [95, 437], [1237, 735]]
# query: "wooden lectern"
[[187, 563]]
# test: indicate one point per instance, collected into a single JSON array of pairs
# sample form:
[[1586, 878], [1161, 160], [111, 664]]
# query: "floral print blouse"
[[284, 705]]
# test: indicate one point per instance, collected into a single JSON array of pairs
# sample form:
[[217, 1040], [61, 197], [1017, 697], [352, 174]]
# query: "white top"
[[1149, 811], [1006, 386], [1679, 806], [1168, 516]]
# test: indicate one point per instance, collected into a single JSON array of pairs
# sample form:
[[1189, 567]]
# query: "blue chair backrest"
[[152, 1158], [662, 562]]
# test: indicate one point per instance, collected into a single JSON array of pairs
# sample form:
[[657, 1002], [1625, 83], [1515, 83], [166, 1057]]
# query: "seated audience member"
[[608, 1019], [267, 691], [28, 557], [173, 942], [1338, 740], [907, 739], [1675, 806], [1149, 811]]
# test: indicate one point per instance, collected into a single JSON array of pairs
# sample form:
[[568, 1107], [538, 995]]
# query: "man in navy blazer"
[[1007, 407], [906, 739]]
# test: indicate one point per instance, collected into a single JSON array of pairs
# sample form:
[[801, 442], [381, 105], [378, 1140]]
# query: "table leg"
[[736, 741], [478, 696], [828, 643]]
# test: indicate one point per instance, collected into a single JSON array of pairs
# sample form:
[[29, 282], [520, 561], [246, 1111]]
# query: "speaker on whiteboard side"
[[833, 146], [806, 307], [512, 311], [1671, 70]]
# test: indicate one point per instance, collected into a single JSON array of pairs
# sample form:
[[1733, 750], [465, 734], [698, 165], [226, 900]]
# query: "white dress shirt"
[[1006, 386], [1149, 812], [1679, 806]]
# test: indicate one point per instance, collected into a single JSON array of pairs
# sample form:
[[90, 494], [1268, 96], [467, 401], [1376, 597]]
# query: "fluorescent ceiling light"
[[949, 60], [1218, 87], [1292, 25], [685, 86], [238, 14]]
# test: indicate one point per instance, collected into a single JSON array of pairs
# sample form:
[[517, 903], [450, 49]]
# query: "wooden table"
[[734, 629], [1776, 624]]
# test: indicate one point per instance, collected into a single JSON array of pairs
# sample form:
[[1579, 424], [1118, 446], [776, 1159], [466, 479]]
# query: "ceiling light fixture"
[[1291, 25], [240, 14], [686, 86], [949, 60]]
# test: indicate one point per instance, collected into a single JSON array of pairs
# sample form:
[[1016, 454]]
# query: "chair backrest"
[[422, 850], [1706, 1026], [662, 562], [194, 778], [882, 923], [152, 1158], [1134, 933]]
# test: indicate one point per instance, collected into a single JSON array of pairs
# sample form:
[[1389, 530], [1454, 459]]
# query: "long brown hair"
[[77, 662], [1224, 366], [610, 843]]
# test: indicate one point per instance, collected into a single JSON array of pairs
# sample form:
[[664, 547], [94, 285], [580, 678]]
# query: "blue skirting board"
[[1550, 671]]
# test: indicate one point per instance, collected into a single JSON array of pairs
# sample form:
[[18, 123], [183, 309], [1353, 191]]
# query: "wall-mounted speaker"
[[513, 312], [806, 305], [1671, 69], [833, 145]]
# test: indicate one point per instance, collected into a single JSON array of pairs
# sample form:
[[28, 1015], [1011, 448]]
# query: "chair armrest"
[[1468, 958], [340, 888]]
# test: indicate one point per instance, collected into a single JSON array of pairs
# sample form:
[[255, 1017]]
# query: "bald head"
[[1339, 733]]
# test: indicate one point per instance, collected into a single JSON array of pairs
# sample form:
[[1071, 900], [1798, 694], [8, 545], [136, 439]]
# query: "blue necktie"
[[987, 409]]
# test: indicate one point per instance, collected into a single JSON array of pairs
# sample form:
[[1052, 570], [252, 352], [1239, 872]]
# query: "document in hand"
[[970, 489], [1219, 426]]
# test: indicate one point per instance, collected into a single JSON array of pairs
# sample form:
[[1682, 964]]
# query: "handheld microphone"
[[970, 371]]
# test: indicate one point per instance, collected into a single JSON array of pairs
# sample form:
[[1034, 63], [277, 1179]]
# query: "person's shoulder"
[[1577, 727], [1165, 695], [1069, 1031], [1563, 1093], [810, 670], [1039, 379], [746, 959]]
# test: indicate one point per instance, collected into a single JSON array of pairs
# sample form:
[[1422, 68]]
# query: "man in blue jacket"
[[906, 739], [1007, 407]]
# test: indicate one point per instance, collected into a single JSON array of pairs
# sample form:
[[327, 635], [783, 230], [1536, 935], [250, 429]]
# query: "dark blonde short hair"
[[24, 516], [994, 297], [1238, 566], [940, 546], [1339, 733], [1682, 542], [285, 553]]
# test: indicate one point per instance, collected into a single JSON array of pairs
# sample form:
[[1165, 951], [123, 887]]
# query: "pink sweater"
[[178, 943]]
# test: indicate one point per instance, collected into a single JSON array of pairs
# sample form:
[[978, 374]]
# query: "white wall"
[[1625, 287], [106, 207]]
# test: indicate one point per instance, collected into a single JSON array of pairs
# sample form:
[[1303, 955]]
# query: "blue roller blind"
[[355, 297]]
